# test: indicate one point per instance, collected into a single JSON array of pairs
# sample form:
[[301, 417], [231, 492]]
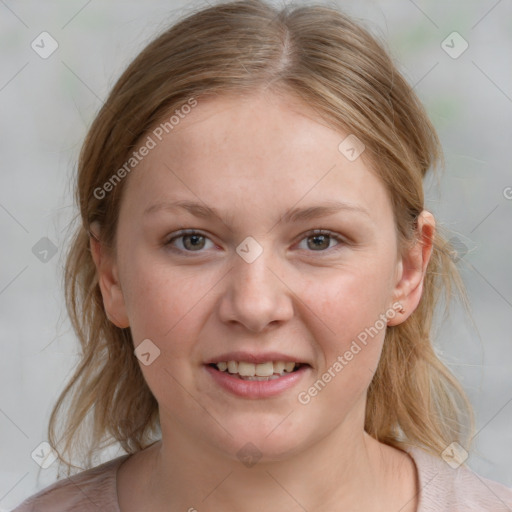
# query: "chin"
[[268, 441]]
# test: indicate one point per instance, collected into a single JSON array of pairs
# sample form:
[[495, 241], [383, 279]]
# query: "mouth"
[[265, 371], [250, 374]]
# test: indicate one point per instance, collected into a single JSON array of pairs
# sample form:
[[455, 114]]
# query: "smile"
[[262, 380], [262, 371]]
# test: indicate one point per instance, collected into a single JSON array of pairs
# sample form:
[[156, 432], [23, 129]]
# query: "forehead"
[[261, 151]]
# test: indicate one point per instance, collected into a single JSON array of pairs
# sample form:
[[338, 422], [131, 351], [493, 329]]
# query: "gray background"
[[47, 105]]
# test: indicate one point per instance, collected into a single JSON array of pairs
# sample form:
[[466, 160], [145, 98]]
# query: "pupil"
[[195, 238], [323, 238]]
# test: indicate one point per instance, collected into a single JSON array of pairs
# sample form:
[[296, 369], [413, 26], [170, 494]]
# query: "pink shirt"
[[442, 489]]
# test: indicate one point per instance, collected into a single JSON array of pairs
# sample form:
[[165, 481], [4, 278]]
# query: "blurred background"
[[58, 62]]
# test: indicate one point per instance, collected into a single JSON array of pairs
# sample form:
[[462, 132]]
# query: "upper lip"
[[253, 357]]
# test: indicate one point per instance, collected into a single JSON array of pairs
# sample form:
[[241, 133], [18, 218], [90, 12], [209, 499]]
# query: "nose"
[[255, 295]]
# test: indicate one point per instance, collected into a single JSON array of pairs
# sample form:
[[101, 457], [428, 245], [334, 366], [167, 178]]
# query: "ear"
[[108, 279], [412, 268]]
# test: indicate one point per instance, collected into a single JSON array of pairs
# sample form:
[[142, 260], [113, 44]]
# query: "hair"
[[342, 72]]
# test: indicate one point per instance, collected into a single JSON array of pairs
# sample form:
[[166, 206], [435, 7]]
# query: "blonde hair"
[[338, 69]]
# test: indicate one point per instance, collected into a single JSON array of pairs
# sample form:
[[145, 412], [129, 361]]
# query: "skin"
[[255, 158]]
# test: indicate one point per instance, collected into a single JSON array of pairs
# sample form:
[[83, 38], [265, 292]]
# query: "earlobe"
[[412, 268], [108, 280]]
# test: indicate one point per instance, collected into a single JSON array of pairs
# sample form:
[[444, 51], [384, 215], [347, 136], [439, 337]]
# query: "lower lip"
[[257, 388]]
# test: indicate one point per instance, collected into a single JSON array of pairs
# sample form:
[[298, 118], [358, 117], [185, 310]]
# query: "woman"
[[255, 280]]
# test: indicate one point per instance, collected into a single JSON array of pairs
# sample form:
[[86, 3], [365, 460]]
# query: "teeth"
[[265, 369], [279, 367], [289, 367], [271, 377], [251, 371], [247, 369]]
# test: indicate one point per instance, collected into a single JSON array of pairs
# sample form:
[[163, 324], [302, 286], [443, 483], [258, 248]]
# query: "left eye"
[[321, 239], [192, 240]]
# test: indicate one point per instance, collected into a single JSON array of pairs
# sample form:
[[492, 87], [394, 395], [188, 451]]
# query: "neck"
[[344, 471]]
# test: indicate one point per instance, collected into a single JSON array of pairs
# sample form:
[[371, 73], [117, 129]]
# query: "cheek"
[[350, 311], [350, 354], [165, 305], [350, 300], [160, 298]]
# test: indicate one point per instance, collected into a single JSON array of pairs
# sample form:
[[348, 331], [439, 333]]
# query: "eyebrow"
[[292, 216]]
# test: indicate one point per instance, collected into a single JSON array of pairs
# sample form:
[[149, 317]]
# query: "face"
[[262, 279]]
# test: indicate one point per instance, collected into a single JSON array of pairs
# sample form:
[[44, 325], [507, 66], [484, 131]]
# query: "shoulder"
[[446, 488], [90, 490]]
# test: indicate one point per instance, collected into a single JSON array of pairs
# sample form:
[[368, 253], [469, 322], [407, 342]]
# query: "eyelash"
[[316, 232]]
